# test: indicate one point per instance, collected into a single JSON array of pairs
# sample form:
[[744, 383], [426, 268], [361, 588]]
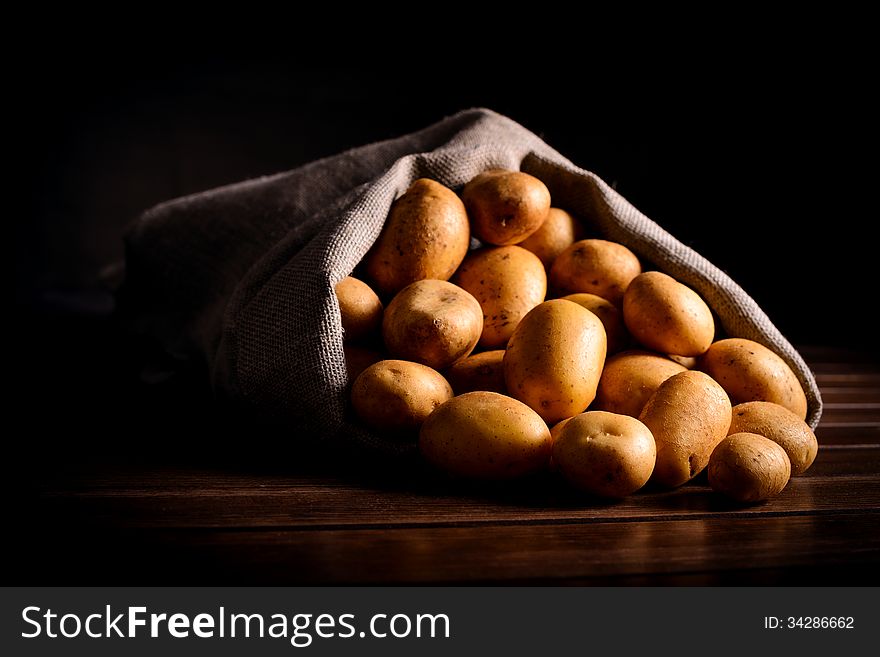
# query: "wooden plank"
[[850, 395], [847, 434], [841, 481], [555, 553]]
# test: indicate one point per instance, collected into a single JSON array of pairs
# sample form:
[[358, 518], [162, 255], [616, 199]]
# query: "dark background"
[[753, 158], [757, 165]]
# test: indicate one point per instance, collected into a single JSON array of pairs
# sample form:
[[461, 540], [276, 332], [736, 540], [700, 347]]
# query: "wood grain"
[[321, 521]]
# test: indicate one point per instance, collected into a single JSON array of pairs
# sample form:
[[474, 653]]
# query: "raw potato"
[[485, 435], [554, 359], [595, 266], [357, 359], [749, 468], [604, 453], [630, 378], [483, 371], [426, 235], [506, 206], [359, 307], [432, 322], [688, 362], [557, 233], [556, 429], [607, 312], [508, 281], [688, 416], [781, 426], [749, 371], [397, 395], [666, 316]]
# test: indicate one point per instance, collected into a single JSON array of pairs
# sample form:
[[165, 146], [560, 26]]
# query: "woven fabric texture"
[[243, 276]]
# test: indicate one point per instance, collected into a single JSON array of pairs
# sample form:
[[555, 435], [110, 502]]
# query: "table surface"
[[318, 522]]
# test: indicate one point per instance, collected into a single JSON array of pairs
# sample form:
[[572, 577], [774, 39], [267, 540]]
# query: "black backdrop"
[[757, 166], [759, 169]]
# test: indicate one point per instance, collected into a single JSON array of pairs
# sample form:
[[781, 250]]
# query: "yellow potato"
[[608, 313], [604, 453], [630, 378], [432, 322], [554, 359], [359, 307], [506, 206], [426, 235], [595, 266], [483, 371], [485, 435], [749, 468], [666, 316], [557, 233], [781, 426], [556, 429], [508, 281], [397, 395], [688, 362], [749, 371], [688, 416], [357, 359]]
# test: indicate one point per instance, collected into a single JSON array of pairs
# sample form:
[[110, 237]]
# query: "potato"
[[610, 316], [397, 395], [557, 233], [426, 235], [508, 281], [748, 468], [630, 378], [688, 416], [781, 426], [554, 359], [749, 371], [595, 266], [485, 435], [359, 307], [357, 359], [506, 207], [483, 371], [604, 453], [688, 362], [432, 322], [666, 316]]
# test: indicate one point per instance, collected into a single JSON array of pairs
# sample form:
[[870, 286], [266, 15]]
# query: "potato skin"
[[630, 378], [666, 316], [688, 416], [557, 233], [505, 207], [483, 371], [508, 281], [554, 359], [748, 468], [484, 435], [749, 371], [397, 395], [605, 454], [426, 235], [595, 266], [609, 314], [432, 322], [781, 426], [359, 307], [688, 362]]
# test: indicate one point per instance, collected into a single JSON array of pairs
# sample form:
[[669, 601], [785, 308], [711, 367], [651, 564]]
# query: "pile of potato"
[[614, 381]]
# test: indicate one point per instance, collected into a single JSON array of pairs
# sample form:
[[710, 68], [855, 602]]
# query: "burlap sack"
[[243, 276]]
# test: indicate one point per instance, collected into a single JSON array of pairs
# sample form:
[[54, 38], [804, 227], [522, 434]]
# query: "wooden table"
[[306, 519]]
